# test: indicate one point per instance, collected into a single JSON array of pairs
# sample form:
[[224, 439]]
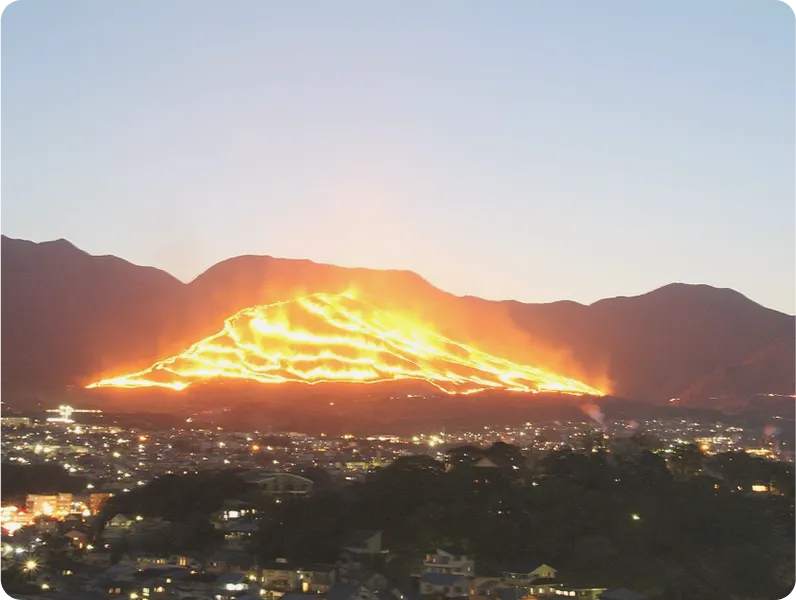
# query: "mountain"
[[69, 318], [66, 313]]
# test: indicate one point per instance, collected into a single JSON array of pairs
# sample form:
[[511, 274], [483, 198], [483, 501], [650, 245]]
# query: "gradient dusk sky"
[[512, 149]]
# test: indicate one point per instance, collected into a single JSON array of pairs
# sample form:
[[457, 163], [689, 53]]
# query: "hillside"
[[69, 317]]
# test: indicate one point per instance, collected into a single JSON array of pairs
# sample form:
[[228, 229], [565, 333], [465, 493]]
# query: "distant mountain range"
[[69, 317]]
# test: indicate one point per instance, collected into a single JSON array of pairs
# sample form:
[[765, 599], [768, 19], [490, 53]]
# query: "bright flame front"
[[338, 338]]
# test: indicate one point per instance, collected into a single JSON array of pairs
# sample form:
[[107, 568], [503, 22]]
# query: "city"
[[83, 512], [398, 301]]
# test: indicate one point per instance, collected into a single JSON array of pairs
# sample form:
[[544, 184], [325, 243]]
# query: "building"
[[279, 484], [11, 518], [118, 526], [360, 549], [449, 562], [232, 510], [57, 505], [77, 538], [522, 574], [364, 542], [238, 533], [280, 576], [447, 585], [97, 500], [317, 578], [581, 593]]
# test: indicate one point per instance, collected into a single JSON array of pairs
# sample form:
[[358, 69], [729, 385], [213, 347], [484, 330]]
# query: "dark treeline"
[[17, 481], [623, 518], [602, 519]]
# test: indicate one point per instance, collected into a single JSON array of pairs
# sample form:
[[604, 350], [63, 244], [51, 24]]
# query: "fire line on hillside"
[[339, 338]]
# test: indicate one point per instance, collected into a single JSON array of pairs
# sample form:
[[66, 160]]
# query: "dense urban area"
[[591, 509]]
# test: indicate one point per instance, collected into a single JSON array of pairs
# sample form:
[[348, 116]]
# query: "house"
[[364, 542], [280, 576], [147, 561], [450, 561], [521, 574], [144, 527], [153, 583], [317, 578], [360, 549], [217, 563], [545, 587], [581, 593], [72, 521], [197, 585], [447, 585], [77, 538], [484, 587], [621, 594], [236, 534], [230, 585], [117, 527], [231, 511], [278, 484], [45, 525]]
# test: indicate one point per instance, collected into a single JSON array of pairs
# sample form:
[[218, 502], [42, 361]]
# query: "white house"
[[448, 585], [449, 562], [279, 484]]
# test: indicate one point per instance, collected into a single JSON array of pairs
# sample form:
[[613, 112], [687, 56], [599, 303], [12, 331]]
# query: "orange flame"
[[338, 338]]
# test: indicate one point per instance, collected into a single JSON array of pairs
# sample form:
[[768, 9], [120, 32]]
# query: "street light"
[[31, 565]]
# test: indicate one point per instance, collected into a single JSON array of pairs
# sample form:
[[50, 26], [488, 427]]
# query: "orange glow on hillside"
[[338, 338]]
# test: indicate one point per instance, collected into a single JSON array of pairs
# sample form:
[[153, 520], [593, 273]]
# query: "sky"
[[522, 149]]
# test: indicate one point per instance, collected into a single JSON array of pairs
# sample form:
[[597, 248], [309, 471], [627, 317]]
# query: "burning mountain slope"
[[70, 318], [338, 338]]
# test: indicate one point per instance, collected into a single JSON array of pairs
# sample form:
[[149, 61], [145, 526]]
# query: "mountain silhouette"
[[69, 318]]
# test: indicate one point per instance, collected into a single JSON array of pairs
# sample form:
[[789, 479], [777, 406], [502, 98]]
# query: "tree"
[[686, 460]]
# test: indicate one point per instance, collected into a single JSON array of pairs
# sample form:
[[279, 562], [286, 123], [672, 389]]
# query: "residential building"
[[317, 578], [450, 561], [581, 593], [279, 484], [51, 504], [237, 534], [118, 526], [447, 585], [367, 542], [522, 574], [280, 576], [97, 500]]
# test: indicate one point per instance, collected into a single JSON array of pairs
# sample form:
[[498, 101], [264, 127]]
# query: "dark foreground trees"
[[611, 521], [603, 519]]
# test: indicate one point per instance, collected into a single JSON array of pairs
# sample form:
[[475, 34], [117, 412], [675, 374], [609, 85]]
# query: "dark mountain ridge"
[[69, 317]]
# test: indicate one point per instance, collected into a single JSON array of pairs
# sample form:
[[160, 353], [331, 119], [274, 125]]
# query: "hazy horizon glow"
[[527, 150]]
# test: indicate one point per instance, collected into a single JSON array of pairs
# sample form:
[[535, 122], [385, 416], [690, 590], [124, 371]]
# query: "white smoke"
[[595, 413]]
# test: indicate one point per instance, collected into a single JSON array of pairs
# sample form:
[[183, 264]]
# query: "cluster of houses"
[[445, 574], [234, 573], [236, 520]]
